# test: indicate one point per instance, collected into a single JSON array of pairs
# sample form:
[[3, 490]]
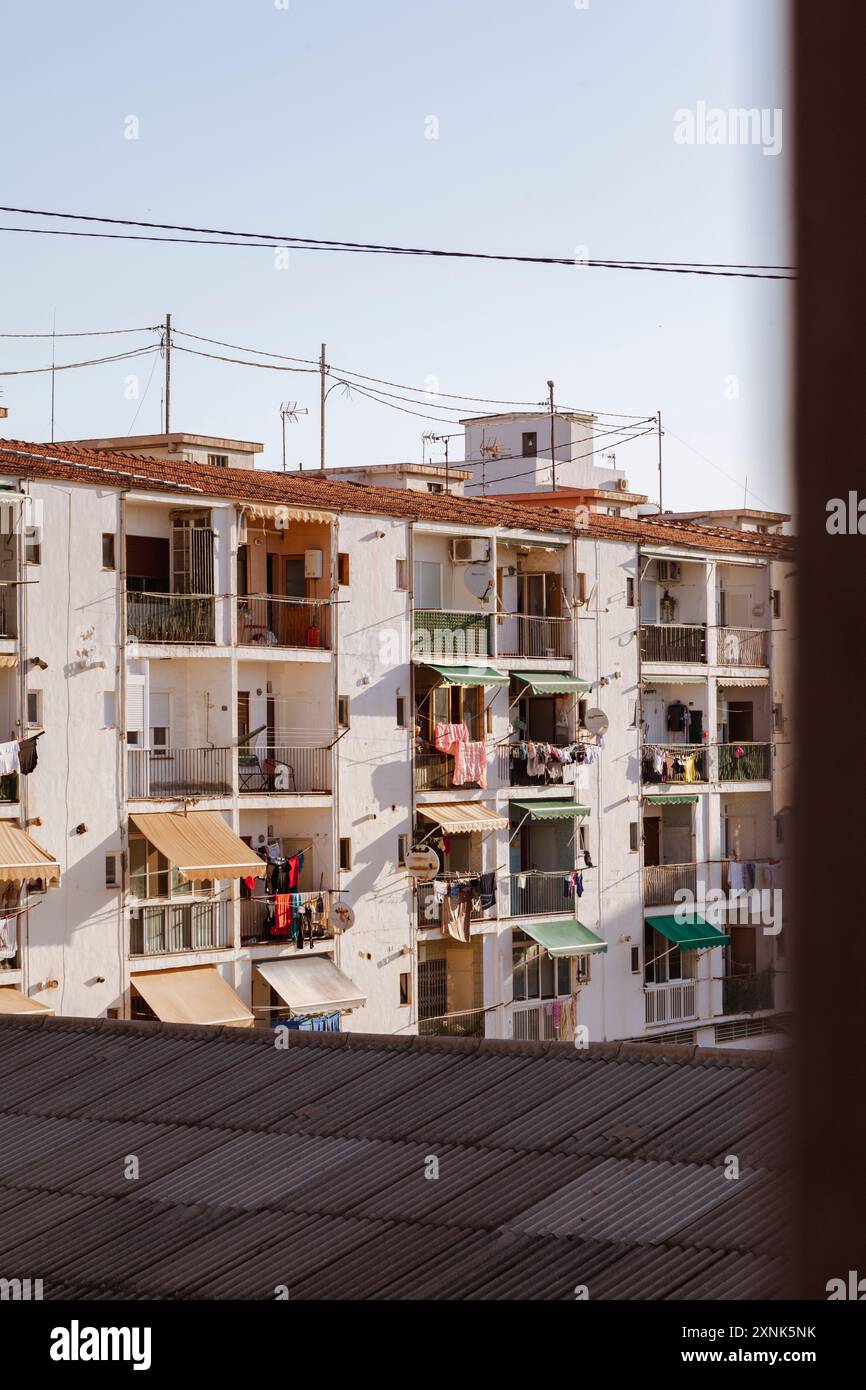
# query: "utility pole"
[[552, 410], [659, 418], [168, 373], [322, 371], [53, 346]]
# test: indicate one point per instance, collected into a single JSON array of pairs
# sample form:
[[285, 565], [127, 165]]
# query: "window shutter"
[[135, 704]]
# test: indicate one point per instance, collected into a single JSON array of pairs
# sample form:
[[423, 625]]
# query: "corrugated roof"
[[310, 1165]]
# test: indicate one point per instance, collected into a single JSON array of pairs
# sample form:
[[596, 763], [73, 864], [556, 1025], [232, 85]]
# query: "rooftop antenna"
[[53, 343], [441, 439], [290, 410]]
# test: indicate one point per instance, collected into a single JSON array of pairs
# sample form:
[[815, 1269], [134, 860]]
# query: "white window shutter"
[[135, 704]]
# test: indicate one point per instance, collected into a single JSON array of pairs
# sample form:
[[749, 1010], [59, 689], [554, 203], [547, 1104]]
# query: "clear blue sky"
[[555, 131]]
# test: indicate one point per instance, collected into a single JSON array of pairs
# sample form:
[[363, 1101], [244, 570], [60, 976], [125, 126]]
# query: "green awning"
[[563, 936], [670, 800], [692, 934], [470, 675], [668, 679], [552, 810], [552, 682]]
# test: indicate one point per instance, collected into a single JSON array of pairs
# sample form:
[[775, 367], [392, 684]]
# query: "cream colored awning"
[[736, 682], [463, 817], [200, 844], [276, 511], [14, 1001], [7, 660], [21, 857], [198, 994], [311, 984]]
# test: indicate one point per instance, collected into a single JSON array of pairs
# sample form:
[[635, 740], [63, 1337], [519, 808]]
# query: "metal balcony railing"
[[429, 912], [522, 634], [469, 1023], [744, 762], [678, 642], [670, 1003], [256, 919], [271, 620], [450, 633], [513, 772], [170, 617], [284, 769], [662, 881], [741, 646], [534, 1023], [9, 787], [674, 762], [434, 772], [744, 994], [164, 928], [179, 772], [535, 893]]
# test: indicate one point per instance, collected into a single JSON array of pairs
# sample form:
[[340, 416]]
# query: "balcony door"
[[192, 570], [651, 841]]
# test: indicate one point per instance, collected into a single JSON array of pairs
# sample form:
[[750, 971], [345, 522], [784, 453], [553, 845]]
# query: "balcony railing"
[[535, 1023], [179, 772], [678, 642], [662, 881], [434, 772], [270, 620], [164, 928], [674, 762], [257, 918], [9, 787], [744, 762], [284, 769], [511, 771], [447, 633], [741, 646], [429, 912], [536, 893], [170, 617], [670, 1003], [744, 994], [520, 634], [469, 1023]]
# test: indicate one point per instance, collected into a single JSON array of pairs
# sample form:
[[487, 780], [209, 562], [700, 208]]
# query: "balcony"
[[745, 994], [429, 911], [536, 893], [674, 1002], [257, 918], [173, 773], [170, 617], [519, 634], [681, 643], [164, 928], [467, 1024], [536, 1023], [662, 881], [9, 787], [269, 620], [511, 771], [744, 762], [434, 772], [450, 633], [741, 646], [284, 770], [674, 762]]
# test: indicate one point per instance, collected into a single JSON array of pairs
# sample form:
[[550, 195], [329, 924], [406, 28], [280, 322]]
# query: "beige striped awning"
[[736, 682], [200, 844], [198, 994], [22, 858], [15, 1001], [8, 660], [277, 511], [463, 817]]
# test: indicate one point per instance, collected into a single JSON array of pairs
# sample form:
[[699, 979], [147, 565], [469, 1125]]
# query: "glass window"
[[428, 584]]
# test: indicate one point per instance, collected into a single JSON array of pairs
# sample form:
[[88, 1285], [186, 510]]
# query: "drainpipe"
[[599, 782], [333, 618], [23, 788], [123, 894], [413, 907]]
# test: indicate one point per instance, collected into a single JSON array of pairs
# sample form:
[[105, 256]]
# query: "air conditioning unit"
[[669, 571], [622, 484], [312, 564], [470, 550]]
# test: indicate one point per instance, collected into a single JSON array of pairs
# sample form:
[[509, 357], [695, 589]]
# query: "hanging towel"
[[9, 761], [487, 891], [456, 913], [283, 915], [28, 755]]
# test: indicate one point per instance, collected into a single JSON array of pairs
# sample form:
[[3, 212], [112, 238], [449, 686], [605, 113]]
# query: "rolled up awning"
[[22, 858], [7, 661], [15, 1001], [311, 984], [470, 675], [694, 933], [463, 817], [564, 936], [740, 682], [200, 844], [666, 679], [670, 800], [198, 994], [277, 511], [552, 809], [552, 682]]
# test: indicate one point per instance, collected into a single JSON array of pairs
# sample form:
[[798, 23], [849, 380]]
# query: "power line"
[[240, 362], [92, 362], [88, 333], [274, 241]]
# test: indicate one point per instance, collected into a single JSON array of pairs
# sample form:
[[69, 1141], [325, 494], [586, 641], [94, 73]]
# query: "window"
[[776, 602], [401, 711], [401, 574], [435, 487], [629, 593], [33, 545], [582, 966], [664, 962], [488, 719], [152, 876], [345, 853], [529, 444], [536, 974], [778, 718], [635, 960], [428, 584], [634, 836], [34, 709], [111, 879], [343, 711], [342, 568], [218, 460], [160, 720], [405, 988], [402, 850], [580, 588], [108, 557]]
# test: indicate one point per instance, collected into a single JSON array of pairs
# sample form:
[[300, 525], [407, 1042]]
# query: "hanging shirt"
[[9, 758]]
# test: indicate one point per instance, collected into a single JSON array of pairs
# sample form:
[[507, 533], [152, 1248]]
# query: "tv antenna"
[[290, 410]]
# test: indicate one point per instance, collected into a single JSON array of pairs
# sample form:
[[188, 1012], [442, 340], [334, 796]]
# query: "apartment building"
[[261, 699]]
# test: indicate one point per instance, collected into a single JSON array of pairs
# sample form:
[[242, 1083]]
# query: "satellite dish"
[[478, 580], [341, 916], [597, 722], [423, 863]]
